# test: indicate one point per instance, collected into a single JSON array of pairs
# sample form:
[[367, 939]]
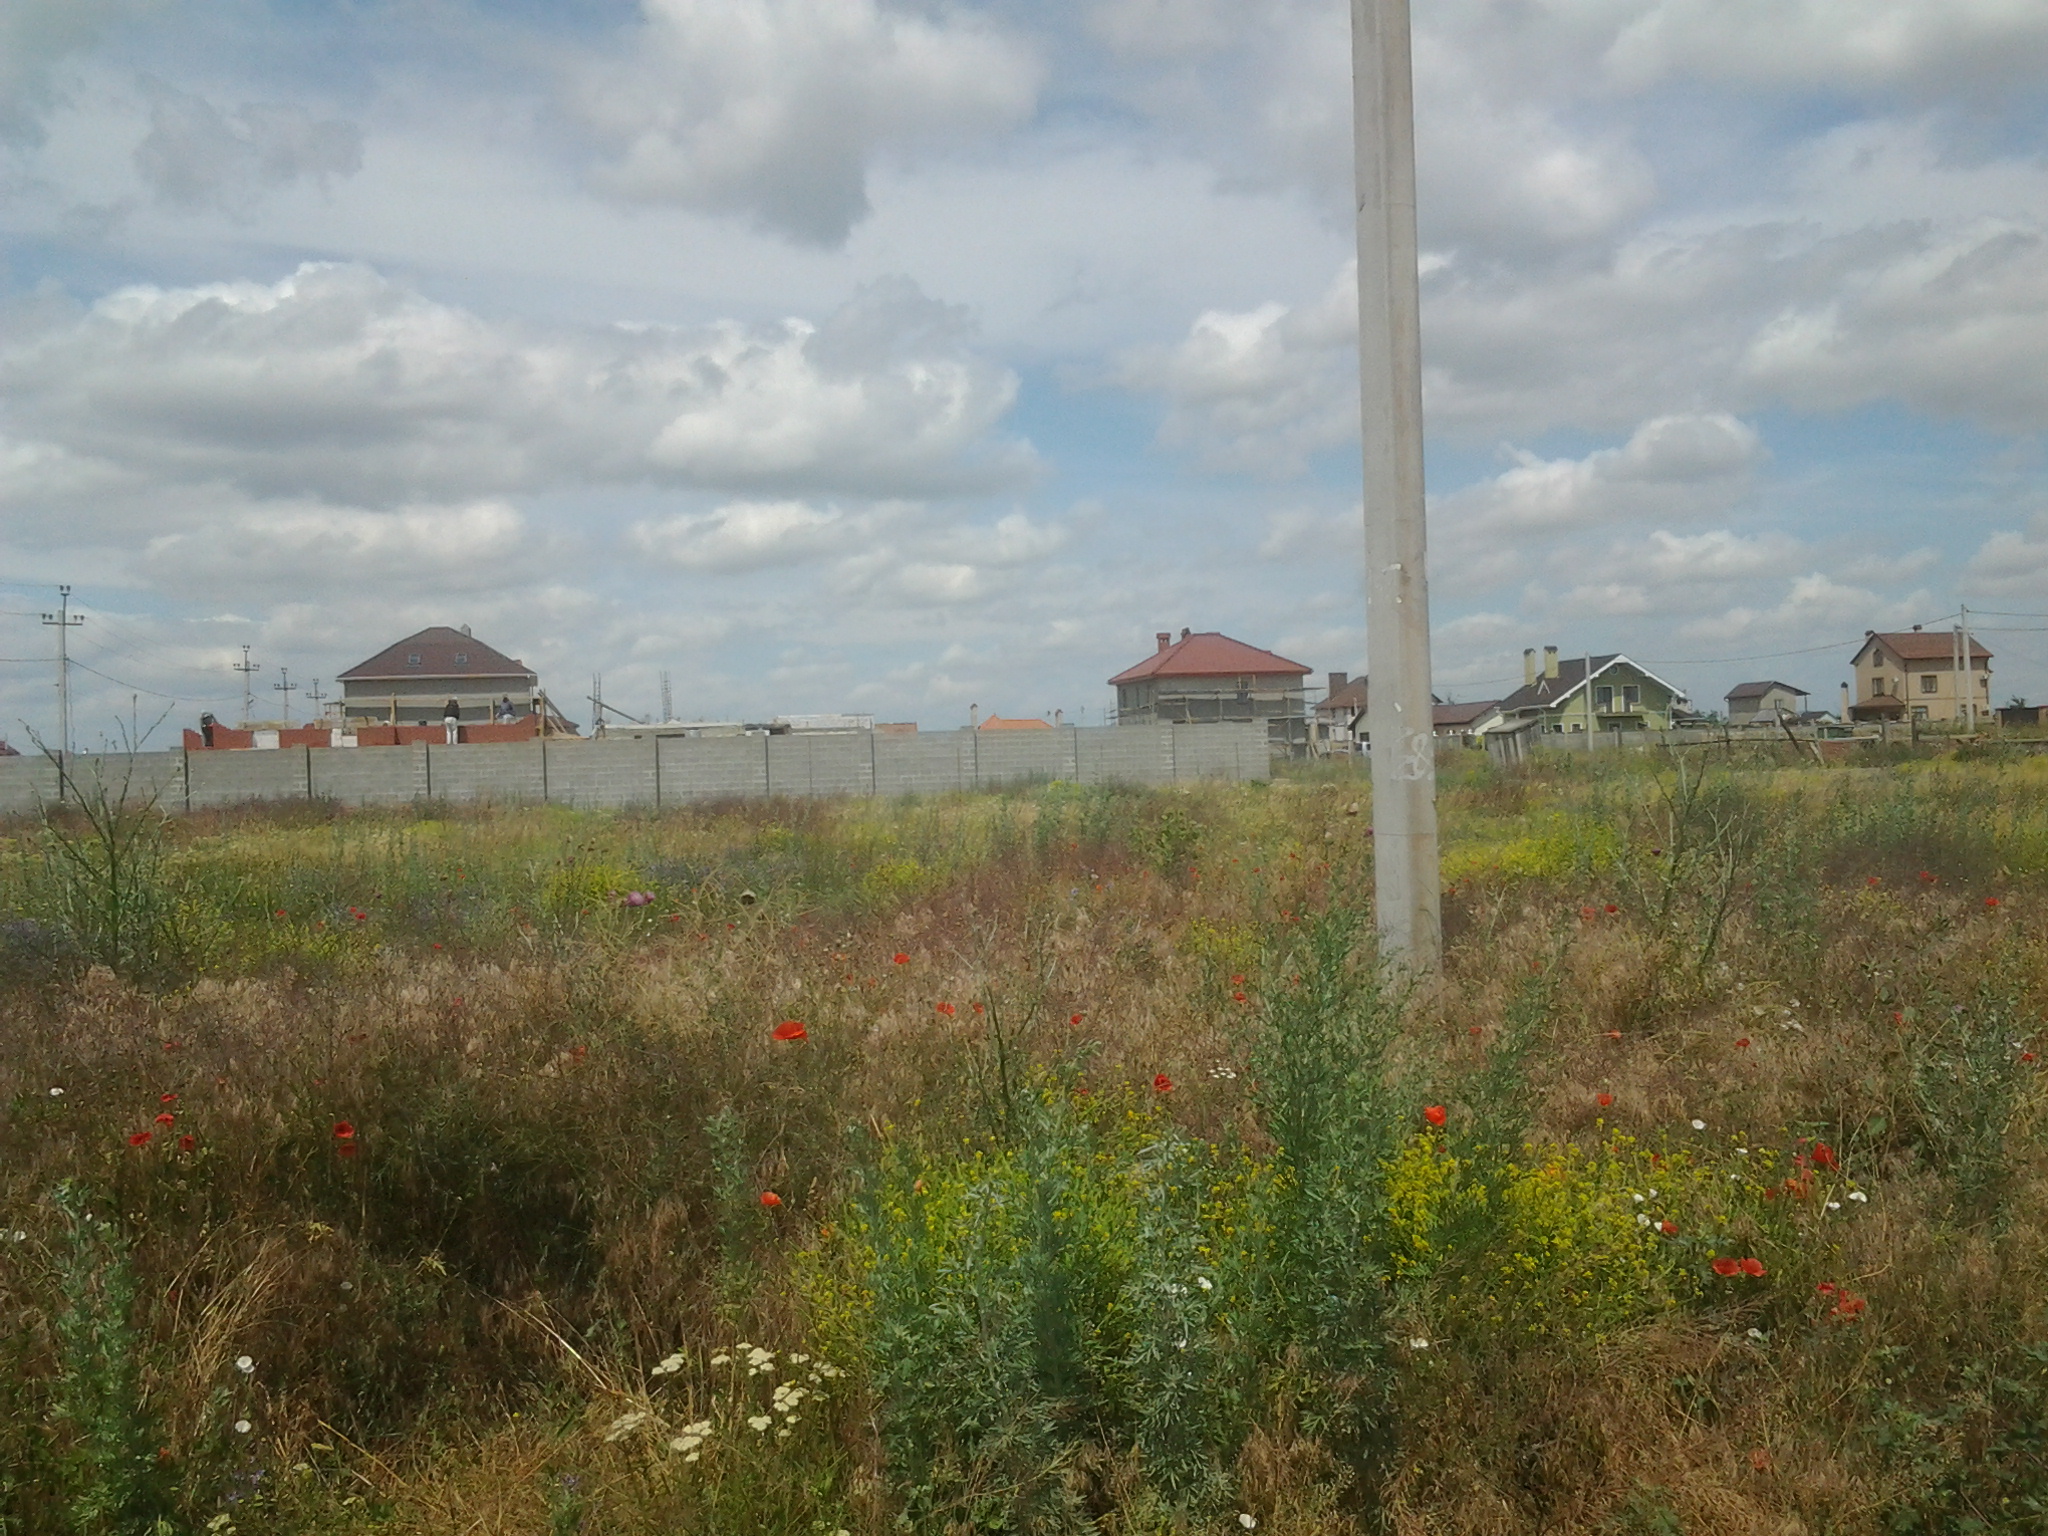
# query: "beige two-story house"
[[1912, 675]]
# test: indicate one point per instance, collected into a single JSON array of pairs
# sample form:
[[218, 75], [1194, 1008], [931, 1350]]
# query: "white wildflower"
[[244, 1364], [669, 1365], [1642, 1220], [1418, 1343], [241, 1426], [799, 1359], [1635, 1197], [1858, 1196], [1699, 1125], [1834, 1205], [1205, 1282], [721, 1358], [1249, 1521], [624, 1425], [758, 1422], [1756, 1333], [782, 1434], [56, 1093]]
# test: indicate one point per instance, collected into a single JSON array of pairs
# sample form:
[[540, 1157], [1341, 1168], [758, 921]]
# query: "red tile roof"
[[437, 649], [1209, 655], [998, 723]]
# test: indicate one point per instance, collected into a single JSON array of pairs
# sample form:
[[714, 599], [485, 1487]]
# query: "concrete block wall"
[[657, 772]]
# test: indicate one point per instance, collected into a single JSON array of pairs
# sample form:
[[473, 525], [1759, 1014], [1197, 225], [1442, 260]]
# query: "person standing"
[[451, 720]]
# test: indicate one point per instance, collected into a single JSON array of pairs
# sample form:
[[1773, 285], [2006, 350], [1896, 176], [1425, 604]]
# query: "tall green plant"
[[105, 875], [109, 1464]]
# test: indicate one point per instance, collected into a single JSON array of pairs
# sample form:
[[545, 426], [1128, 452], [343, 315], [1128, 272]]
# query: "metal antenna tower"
[[1406, 875], [287, 687], [247, 667], [668, 699], [65, 621]]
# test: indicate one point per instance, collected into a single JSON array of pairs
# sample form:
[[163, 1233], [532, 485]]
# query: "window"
[[1631, 697], [1244, 685], [1928, 682], [1919, 711], [412, 661], [462, 658], [1603, 699]]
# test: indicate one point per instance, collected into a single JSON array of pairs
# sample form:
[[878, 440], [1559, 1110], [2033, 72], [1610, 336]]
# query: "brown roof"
[[1921, 645], [1208, 655], [438, 650], [1758, 690], [998, 723], [1444, 715], [1348, 700]]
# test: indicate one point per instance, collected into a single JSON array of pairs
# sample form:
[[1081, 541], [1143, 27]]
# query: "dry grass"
[[541, 1209]]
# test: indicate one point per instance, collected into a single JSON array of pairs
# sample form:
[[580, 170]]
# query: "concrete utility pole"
[[247, 668], [64, 621], [287, 687], [1969, 673], [1398, 704], [316, 698]]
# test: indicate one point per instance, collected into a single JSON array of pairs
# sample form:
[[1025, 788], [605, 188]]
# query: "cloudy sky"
[[902, 355]]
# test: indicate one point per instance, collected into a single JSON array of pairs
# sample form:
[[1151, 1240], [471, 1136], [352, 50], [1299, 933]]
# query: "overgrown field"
[[1059, 1161]]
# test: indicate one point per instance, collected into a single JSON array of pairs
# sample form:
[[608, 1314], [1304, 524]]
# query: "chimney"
[[974, 717], [1916, 629], [1164, 639], [1550, 662], [1059, 717], [1529, 666], [1337, 681], [465, 632], [1185, 633], [1845, 703]]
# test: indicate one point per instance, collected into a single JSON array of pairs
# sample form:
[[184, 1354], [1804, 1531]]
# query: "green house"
[[1591, 693]]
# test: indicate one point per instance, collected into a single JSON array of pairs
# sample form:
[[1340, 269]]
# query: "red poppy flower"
[[166, 1118], [1925, 875], [1825, 1288], [141, 1138], [901, 958], [1614, 1034], [770, 1199], [1474, 1030], [790, 1029], [1238, 997], [1754, 1268], [187, 1143], [1990, 901], [1824, 1155], [167, 1098], [2026, 1055], [1436, 1114], [1588, 913], [947, 1009], [1849, 1306], [1727, 1267], [1612, 909], [343, 1131], [279, 912], [1074, 1019], [1668, 1228], [978, 1008], [1161, 1083], [347, 1149], [1237, 981], [1873, 880], [172, 1045], [1605, 1100]]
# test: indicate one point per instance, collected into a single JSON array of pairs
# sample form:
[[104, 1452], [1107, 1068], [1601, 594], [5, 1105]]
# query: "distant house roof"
[[1878, 704], [998, 723], [440, 652], [1346, 701], [1207, 655], [1920, 644], [1549, 692], [1449, 716], [1759, 690]]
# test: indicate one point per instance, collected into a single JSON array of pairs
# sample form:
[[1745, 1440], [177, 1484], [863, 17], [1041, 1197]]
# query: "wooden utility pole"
[[1398, 700]]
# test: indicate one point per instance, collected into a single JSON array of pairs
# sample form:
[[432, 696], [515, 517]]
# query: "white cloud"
[[747, 536], [339, 384], [2013, 562], [36, 36], [1830, 44], [197, 156], [774, 108], [1263, 389], [1956, 324]]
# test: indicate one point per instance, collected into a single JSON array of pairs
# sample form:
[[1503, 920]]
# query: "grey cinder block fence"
[[664, 771]]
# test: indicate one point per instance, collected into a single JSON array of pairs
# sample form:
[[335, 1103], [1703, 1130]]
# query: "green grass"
[[1098, 1193]]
